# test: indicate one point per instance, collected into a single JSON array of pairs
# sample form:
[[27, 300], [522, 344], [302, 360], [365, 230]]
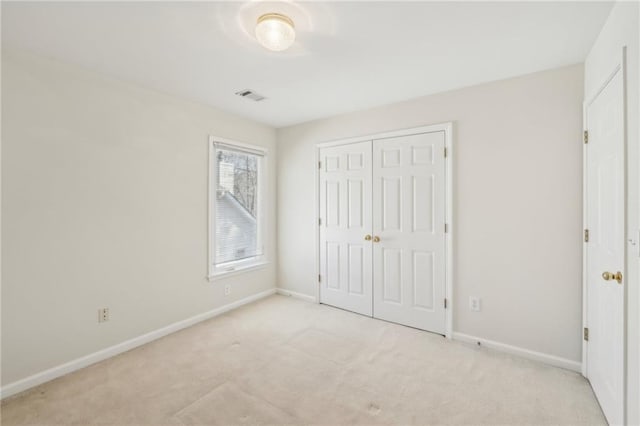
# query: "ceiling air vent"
[[250, 94]]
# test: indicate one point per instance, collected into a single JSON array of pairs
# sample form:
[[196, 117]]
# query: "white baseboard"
[[77, 364], [296, 295], [556, 361]]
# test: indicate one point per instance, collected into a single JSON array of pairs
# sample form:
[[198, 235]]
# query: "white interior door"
[[409, 221], [605, 248], [345, 220]]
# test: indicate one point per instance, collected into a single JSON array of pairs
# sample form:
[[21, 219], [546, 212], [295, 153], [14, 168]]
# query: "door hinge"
[[319, 278], [586, 136], [446, 228], [586, 235], [319, 164], [585, 334], [319, 221], [445, 303], [445, 152]]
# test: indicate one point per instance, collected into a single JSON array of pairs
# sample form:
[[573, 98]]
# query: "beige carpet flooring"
[[285, 361]]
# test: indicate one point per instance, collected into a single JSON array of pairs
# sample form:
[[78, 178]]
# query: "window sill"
[[237, 271]]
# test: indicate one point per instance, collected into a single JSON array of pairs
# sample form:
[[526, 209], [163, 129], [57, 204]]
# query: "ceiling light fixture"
[[275, 31]]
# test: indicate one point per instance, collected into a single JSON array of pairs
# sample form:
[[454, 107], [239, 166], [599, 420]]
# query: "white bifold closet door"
[[382, 236]]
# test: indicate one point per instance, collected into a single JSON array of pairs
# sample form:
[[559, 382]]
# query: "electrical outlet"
[[474, 303], [227, 290], [103, 315]]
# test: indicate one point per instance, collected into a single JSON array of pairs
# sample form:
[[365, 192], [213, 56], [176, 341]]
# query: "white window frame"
[[243, 265]]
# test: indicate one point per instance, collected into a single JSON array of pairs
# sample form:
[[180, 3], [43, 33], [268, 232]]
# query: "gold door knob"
[[376, 239], [608, 276], [367, 237]]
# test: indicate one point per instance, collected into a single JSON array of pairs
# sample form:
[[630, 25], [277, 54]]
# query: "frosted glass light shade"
[[275, 32]]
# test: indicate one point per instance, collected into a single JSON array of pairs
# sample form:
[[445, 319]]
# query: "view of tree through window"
[[238, 174]]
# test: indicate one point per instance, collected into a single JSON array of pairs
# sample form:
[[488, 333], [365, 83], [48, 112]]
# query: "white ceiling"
[[347, 56]]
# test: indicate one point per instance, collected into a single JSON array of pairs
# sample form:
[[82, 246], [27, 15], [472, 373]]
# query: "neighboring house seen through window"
[[236, 210]]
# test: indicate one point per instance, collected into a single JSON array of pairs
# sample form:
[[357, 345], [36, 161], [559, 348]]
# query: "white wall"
[[104, 195], [621, 29], [518, 201]]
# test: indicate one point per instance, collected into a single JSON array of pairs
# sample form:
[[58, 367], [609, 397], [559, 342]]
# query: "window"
[[236, 207]]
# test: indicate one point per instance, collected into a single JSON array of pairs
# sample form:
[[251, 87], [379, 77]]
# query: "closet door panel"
[[409, 219], [345, 219]]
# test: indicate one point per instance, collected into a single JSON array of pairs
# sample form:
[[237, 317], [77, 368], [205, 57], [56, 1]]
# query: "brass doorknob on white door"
[[367, 237], [608, 276], [376, 239]]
